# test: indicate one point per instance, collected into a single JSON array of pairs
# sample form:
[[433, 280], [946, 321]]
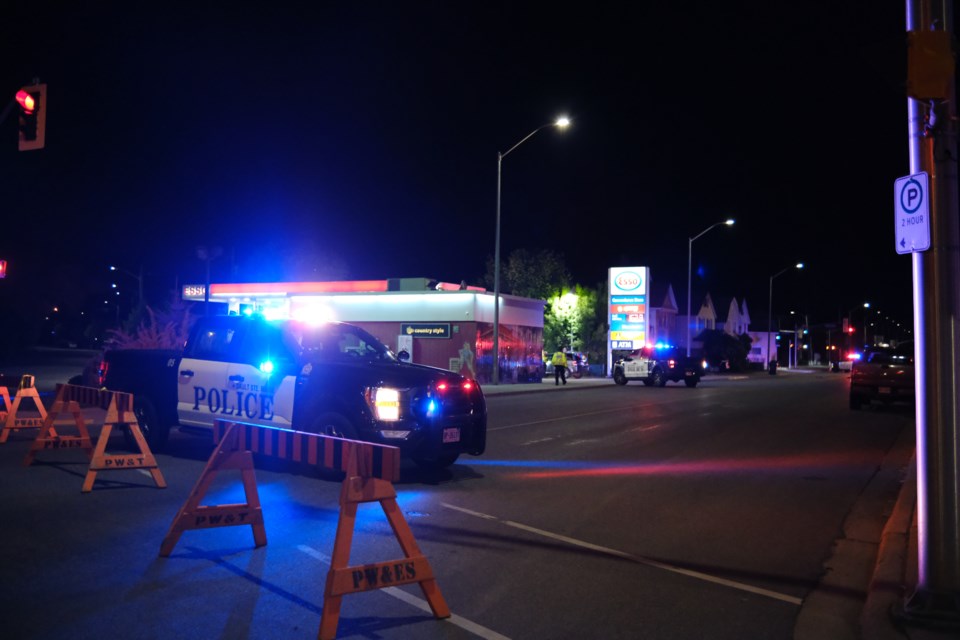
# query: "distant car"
[[576, 364], [883, 374]]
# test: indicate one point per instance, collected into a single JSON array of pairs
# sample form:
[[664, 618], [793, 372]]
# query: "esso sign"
[[628, 281]]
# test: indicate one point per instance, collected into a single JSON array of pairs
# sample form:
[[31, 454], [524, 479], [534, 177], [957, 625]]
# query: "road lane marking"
[[576, 415], [538, 441], [633, 558], [419, 603]]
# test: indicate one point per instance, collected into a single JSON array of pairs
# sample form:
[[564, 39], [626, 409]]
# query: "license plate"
[[883, 390], [451, 435]]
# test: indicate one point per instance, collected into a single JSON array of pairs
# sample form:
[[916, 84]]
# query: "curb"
[[889, 576]]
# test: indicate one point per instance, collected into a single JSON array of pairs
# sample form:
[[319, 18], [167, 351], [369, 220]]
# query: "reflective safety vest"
[[559, 360]]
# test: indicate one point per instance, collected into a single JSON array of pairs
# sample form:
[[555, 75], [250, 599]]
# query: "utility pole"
[[932, 127]]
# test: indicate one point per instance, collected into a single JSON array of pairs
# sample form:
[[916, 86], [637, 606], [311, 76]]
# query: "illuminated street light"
[[560, 123], [138, 278], [799, 265], [866, 305], [729, 222]]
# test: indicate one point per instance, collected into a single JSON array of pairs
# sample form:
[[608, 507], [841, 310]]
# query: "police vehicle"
[[330, 378], [656, 365]]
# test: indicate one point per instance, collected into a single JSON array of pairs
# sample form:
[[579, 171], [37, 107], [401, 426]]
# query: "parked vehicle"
[[883, 374], [333, 378], [577, 364]]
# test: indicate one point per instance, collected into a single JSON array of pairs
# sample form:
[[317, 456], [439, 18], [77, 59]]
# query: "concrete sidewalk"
[[873, 568]]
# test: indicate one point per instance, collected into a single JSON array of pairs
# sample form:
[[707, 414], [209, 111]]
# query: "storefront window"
[[521, 354]]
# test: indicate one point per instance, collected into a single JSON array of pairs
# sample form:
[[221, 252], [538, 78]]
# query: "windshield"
[[331, 341]]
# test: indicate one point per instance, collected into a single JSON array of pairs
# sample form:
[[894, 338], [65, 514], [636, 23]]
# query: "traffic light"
[[33, 116]]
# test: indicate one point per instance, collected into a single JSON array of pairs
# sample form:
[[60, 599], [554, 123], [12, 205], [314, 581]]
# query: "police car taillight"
[[468, 385]]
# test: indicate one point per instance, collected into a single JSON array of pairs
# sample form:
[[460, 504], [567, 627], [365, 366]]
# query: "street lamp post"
[[208, 255], [799, 265], [139, 279], [560, 123], [729, 222], [866, 305]]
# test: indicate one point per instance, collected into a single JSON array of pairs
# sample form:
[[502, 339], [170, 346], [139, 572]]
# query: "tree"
[[570, 319], [719, 346], [529, 274]]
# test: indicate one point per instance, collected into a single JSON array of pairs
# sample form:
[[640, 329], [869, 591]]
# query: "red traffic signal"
[[26, 101], [33, 116]]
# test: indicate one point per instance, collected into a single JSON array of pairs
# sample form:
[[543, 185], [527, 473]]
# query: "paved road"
[[596, 512]]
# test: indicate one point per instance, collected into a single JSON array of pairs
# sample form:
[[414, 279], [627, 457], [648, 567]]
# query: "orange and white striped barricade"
[[370, 472], [11, 422]]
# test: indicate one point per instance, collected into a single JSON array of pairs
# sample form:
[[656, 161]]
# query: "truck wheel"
[[619, 377], [333, 424], [440, 462], [154, 431], [657, 379], [691, 382]]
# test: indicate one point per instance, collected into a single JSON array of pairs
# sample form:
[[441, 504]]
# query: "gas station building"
[[444, 325]]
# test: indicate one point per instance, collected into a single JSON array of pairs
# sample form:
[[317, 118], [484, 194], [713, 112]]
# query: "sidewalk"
[[546, 385]]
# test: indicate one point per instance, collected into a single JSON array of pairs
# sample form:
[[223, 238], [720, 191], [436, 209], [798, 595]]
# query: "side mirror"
[[403, 356]]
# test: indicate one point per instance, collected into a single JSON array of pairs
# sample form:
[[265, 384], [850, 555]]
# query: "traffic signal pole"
[[936, 307]]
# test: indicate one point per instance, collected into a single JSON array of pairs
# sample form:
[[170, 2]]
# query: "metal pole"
[[769, 319], [496, 283], [689, 284], [936, 307], [496, 252]]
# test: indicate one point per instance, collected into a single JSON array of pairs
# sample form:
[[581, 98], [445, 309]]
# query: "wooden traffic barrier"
[[11, 422], [370, 472], [119, 412], [229, 454], [49, 438]]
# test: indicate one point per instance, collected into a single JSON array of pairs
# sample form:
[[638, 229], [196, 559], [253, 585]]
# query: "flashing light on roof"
[[661, 345], [248, 311], [275, 313], [313, 314]]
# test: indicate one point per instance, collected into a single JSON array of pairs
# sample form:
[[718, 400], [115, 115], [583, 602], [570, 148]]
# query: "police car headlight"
[[384, 402]]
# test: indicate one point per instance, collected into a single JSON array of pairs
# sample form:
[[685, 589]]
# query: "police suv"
[[656, 365], [331, 378]]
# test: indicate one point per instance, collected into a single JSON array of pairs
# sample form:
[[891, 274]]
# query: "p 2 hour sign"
[[912, 204]]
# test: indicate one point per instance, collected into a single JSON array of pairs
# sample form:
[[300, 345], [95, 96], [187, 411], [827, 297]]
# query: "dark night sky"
[[366, 134]]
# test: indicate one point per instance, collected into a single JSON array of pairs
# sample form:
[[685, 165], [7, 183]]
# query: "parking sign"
[[912, 205]]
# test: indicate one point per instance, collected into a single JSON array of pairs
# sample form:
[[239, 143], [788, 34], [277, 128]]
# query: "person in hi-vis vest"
[[559, 361]]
